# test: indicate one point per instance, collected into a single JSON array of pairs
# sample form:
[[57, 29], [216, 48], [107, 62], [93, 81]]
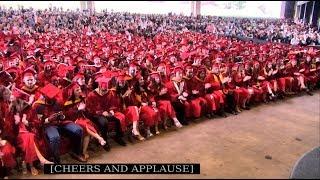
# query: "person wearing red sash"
[[30, 83], [214, 87], [178, 95], [115, 105]]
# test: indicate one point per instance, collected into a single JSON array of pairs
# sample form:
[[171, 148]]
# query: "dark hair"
[[18, 106], [2, 91]]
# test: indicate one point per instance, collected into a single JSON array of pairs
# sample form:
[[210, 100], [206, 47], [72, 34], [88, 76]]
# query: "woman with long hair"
[[75, 110], [26, 139], [7, 151], [161, 99], [149, 113], [241, 93], [129, 104]]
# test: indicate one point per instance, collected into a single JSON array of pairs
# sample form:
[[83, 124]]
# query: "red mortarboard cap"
[[51, 52], [154, 74], [133, 65], [138, 76], [121, 77], [70, 88], [292, 56], [62, 69], [184, 41], [162, 64], [29, 72], [55, 77], [256, 62], [47, 57], [149, 58], [235, 67], [12, 70], [115, 73], [177, 69], [82, 62], [78, 76], [188, 67], [97, 74], [216, 65], [78, 58], [108, 74], [201, 68], [102, 79], [50, 91], [49, 62]]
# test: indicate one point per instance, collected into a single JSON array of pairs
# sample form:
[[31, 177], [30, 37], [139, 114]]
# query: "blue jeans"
[[72, 130]]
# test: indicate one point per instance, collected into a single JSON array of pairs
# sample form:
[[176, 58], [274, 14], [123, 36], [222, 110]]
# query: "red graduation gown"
[[33, 91], [174, 94], [215, 90], [197, 102], [26, 138], [71, 112], [115, 104], [163, 101], [8, 127], [8, 158], [148, 114]]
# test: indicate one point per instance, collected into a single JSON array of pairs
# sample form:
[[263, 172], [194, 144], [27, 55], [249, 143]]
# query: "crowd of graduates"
[[78, 83]]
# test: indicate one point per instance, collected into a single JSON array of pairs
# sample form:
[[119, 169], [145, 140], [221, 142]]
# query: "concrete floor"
[[232, 147]]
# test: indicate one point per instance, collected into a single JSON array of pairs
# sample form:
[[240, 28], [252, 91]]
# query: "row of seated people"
[[85, 87], [35, 117]]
